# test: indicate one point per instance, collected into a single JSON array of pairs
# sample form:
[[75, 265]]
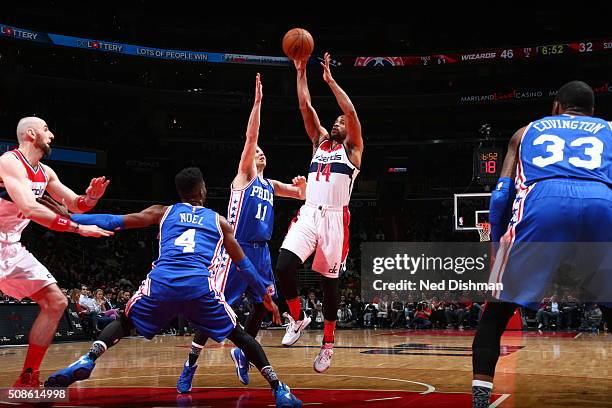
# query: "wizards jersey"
[[566, 146], [12, 222], [331, 176], [251, 211]]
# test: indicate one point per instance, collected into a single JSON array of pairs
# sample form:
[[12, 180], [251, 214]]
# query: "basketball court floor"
[[371, 368]]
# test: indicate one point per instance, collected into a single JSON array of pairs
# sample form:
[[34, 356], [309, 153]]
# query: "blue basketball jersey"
[[565, 146], [251, 211], [190, 241]]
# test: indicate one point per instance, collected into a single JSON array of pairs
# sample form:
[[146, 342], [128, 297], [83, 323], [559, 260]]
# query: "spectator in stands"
[[454, 312], [384, 307], [123, 300], [545, 313], [398, 318], [311, 306], [318, 321], [345, 316], [357, 309], [570, 312], [370, 315], [421, 317], [591, 320], [73, 303], [102, 304]]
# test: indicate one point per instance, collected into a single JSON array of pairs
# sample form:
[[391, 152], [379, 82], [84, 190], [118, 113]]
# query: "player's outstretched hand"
[[300, 183], [327, 76], [54, 206], [94, 231], [271, 306], [300, 65], [258, 88], [96, 188]]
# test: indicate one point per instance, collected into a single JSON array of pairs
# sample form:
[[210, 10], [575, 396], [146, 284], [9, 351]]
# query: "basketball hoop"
[[484, 229]]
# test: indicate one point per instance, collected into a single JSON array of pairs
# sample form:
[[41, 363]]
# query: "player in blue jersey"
[[191, 238], [562, 192], [251, 213]]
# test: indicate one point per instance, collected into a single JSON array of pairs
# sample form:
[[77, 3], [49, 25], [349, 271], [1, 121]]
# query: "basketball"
[[298, 44]]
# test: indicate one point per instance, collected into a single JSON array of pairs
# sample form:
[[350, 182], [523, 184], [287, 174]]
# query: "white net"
[[484, 229]]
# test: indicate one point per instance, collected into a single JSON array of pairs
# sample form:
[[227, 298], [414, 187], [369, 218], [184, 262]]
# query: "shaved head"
[[30, 122], [33, 131]]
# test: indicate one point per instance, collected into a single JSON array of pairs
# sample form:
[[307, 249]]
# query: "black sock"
[[194, 353], [481, 394], [270, 375]]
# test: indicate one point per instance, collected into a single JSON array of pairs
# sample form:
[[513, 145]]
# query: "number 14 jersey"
[[331, 176]]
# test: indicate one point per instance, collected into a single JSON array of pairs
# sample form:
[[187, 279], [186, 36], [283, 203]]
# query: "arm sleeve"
[[500, 207], [109, 222]]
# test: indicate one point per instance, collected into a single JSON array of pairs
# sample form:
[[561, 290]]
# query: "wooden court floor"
[[370, 368]]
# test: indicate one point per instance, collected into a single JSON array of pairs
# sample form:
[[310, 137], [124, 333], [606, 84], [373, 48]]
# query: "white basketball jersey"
[[12, 222], [331, 176]]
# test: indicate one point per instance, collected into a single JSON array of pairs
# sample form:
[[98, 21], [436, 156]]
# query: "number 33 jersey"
[[566, 146], [331, 176]]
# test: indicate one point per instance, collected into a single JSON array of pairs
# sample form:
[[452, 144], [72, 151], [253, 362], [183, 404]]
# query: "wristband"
[[82, 203], [61, 224]]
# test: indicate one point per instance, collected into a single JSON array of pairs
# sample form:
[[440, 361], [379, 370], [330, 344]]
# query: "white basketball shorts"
[[323, 230], [21, 275]]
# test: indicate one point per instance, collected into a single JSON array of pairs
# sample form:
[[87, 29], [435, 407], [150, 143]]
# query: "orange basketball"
[[298, 44]]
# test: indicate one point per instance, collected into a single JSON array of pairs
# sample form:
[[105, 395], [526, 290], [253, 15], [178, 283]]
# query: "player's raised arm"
[[14, 177], [354, 139], [246, 268], [295, 190], [311, 120], [76, 203], [501, 198], [246, 168]]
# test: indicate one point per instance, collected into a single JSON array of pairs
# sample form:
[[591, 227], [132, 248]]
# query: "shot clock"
[[488, 164]]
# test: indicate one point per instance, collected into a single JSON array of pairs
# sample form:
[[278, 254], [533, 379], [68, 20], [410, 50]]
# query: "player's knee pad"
[[286, 271], [331, 297]]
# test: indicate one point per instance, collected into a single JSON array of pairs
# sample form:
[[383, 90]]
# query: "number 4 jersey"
[[190, 242], [565, 146]]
